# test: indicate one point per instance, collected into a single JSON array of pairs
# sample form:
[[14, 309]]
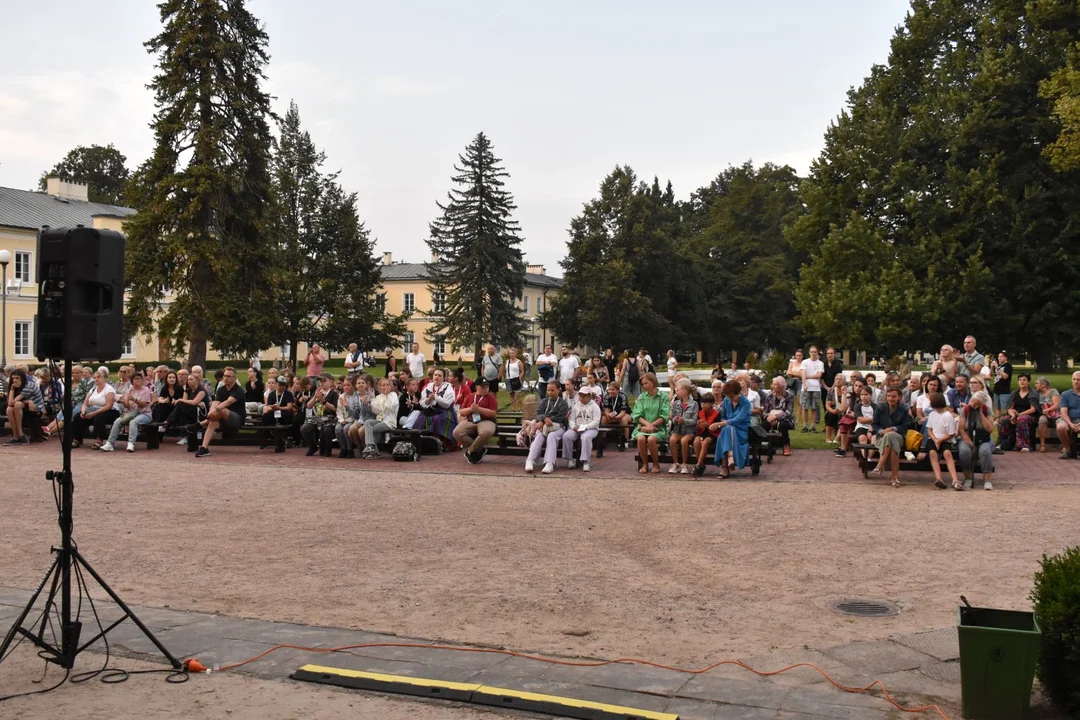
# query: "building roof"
[[418, 271], [31, 210]]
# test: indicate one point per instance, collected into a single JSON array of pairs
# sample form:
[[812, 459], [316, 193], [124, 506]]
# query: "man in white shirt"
[[546, 363], [568, 366], [354, 359], [810, 400], [490, 365], [415, 361]]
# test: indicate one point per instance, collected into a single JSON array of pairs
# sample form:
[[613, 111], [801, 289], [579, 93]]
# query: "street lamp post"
[[5, 258]]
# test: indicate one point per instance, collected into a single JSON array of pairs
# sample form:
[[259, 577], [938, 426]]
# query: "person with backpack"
[[491, 369], [632, 375]]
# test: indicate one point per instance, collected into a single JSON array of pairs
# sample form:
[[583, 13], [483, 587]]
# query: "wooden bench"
[[250, 433], [861, 451], [506, 441], [150, 433], [764, 448]]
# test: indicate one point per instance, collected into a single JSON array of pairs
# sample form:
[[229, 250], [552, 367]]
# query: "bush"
[[775, 364], [1056, 598]]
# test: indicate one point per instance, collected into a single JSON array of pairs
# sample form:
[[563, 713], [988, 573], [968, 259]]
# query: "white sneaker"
[[685, 470], [987, 485], [107, 447], [585, 467], [529, 467], [131, 447], [548, 468], [673, 470], [182, 441], [571, 464]]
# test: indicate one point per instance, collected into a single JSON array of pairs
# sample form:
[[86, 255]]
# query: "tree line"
[[944, 202]]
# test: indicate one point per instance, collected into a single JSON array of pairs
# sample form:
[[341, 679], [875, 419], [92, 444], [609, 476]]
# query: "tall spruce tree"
[[102, 168], [200, 233], [327, 286], [479, 269]]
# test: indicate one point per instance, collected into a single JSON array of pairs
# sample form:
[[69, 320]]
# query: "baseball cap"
[[281, 379]]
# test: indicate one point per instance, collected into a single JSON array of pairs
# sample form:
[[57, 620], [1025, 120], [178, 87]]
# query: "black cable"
[[80, 582], [38, 692]]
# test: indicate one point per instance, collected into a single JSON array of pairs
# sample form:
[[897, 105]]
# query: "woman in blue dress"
[[733, 445]]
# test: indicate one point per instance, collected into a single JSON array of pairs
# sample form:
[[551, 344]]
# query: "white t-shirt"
[[550, 359], [755, 399], [96, 399], [415, 363], [567, 367], [923, 404], [865, 415], [942, 423], [671, 365], [812, 367]]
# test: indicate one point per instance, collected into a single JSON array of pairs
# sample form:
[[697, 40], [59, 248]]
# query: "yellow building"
[[404, 288], [65, 204]]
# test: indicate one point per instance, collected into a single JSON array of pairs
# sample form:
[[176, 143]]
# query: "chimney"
[[388, 258], [535, 269], [63, 190]]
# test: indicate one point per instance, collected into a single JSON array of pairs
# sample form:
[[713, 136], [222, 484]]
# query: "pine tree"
[[102, 168], [480, 271], [200, 232]]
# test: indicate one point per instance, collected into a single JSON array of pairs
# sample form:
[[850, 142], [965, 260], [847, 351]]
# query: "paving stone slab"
[[621, 676], [837, 704], [181, 644], [688, 709], [943, 644], [264, 631], [511, 670], [947, 673], [735, 692], [879, 656], [800, 676], [922, 685]]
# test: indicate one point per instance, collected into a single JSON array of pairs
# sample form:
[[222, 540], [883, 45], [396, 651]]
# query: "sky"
[[392, 92]]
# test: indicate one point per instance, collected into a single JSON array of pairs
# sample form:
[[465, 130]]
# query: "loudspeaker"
[[80, 274]]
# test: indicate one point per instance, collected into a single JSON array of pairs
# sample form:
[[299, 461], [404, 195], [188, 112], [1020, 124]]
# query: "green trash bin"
[[998, 652]]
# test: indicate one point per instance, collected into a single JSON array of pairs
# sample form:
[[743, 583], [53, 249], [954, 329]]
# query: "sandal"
[[896, 482], [939, 484], [724, 473], [876, 472], [787, 452], [958, 486]]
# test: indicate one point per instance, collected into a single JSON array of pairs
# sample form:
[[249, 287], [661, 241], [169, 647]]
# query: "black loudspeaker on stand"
[[80, 317]]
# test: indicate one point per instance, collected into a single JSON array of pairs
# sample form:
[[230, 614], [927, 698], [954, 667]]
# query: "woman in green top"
[[650, 419]]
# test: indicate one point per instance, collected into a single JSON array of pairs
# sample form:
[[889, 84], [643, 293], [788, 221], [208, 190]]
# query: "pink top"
[[143, 397], [315, 362]]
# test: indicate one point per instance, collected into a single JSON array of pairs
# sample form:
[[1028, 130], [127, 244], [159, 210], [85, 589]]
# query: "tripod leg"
[[17, 627], [123, 606]]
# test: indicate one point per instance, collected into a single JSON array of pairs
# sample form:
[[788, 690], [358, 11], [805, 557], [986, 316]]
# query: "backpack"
[[632, 371], [405, 452]]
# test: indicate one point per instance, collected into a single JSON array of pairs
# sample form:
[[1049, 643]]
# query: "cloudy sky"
[[393, 91]]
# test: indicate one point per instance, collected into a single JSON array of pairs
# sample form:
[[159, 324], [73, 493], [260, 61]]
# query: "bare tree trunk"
[[202, 277]]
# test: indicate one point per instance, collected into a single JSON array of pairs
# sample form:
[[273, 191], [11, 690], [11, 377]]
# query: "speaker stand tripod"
[[58, 577]]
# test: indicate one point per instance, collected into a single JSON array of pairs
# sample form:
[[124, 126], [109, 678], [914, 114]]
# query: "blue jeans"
[[133, 420], [1002, 401]]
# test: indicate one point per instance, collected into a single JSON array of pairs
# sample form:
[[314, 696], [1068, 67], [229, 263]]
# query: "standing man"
[[812, 372], [569, 366], [476, 422], [354, 359], [1069, 422], [833, 366], [415, 361], [545, 368], [490, 368], [227, 411], [972, 361]]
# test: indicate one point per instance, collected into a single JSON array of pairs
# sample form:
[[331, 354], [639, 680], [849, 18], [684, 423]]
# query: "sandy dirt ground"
[[684, 573], [227, 697]]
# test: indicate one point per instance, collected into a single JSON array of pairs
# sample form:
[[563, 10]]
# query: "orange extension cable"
[[194, 663]]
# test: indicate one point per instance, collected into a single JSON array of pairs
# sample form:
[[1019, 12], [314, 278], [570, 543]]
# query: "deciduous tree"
[[102, 168]]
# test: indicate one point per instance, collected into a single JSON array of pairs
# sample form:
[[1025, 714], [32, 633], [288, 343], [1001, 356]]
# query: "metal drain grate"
[[865, 608]]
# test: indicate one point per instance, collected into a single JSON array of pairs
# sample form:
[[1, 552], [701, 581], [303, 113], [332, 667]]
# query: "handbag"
[[913, 440]]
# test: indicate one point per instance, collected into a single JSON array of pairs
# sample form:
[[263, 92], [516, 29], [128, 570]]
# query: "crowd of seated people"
[[964, 408]]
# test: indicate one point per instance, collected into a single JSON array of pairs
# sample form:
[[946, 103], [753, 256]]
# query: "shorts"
[[810, 399], [860, 432], [930, 449], [832, 420], [1001, 402], [233, 421], [493, 386]]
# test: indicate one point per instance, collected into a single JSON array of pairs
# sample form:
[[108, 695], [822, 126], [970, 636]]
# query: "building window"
[[526, 301], [438, 303], [409, 305], [22, 339], [380, 302], [407, 342], [22, 265], [128, 350], [440, 345]]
